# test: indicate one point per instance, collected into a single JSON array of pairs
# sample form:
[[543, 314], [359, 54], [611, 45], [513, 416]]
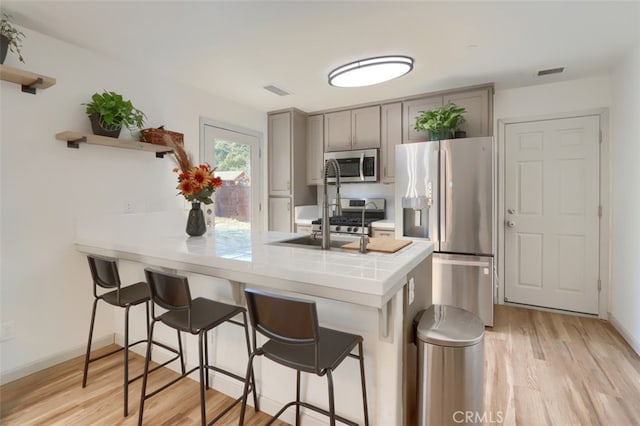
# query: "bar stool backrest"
[[104, 273], [283, 319], [169, 291]]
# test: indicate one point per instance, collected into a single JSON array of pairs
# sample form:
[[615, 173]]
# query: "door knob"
[[511, 223], [511, 211]]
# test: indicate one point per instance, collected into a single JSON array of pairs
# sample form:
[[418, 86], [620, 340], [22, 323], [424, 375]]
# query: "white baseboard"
[[631, 340], [50, 361]]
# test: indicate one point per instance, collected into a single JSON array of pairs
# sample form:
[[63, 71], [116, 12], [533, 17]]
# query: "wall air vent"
[[550, 71], [278, 91]]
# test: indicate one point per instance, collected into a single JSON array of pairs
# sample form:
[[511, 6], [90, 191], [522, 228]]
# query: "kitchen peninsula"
[[374, 295]]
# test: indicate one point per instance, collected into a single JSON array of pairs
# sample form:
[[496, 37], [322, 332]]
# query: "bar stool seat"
[[133, 294], [205, 315], [334, 348]]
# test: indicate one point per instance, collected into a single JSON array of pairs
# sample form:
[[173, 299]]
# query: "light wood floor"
[[540, 369], [543, 368]]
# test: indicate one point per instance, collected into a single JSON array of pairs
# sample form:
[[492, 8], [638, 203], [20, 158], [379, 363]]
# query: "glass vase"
[[196, 225]]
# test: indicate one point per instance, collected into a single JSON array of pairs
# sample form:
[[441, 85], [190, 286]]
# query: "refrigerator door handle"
[[443, 196], [482, 264]]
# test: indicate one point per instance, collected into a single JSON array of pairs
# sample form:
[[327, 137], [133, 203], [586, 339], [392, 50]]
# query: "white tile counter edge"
[[158, 239]]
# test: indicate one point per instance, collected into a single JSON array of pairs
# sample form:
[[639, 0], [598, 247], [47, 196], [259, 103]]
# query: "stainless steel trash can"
[[451, 366]]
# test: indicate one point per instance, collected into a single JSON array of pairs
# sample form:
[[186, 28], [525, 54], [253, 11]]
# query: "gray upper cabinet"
[[280, 140], [477, 101], [315, 149], [365, 124], [337, 131], [411, 109], [391, 135], [352, 129], [478, 118]]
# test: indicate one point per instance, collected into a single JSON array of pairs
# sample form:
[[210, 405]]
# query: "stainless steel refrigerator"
[[445, 193]]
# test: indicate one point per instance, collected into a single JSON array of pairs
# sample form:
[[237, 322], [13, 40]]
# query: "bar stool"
[[195, 316], [297, 341], [104, 273]]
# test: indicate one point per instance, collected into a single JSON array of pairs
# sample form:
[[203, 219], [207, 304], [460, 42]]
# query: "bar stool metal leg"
[[126, 360], [364, 387], [86, 358], [297, 397], [203, 411], [253, 379], [145, 373], [332, 408]]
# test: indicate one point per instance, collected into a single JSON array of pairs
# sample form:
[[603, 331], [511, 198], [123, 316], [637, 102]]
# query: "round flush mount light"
[[367, 72]]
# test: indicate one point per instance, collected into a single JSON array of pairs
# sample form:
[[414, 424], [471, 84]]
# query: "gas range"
[[351, 220]]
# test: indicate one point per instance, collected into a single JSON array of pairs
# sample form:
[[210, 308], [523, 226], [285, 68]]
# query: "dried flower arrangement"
[[195, 183]]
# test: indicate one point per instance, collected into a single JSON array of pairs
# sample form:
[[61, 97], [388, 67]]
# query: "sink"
[[309, 241]]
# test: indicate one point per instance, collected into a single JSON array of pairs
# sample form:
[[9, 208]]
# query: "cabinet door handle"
[[288, 185], [385, 171], [289, 206]]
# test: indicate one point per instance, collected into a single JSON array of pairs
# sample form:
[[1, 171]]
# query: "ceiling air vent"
[[278, 91], [550, 71]]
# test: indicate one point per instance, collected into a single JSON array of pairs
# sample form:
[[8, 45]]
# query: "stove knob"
[[337, 228], [351, 229], [355, 229]]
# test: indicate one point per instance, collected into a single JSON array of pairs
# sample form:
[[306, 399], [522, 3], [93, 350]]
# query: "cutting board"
[[385, 245]]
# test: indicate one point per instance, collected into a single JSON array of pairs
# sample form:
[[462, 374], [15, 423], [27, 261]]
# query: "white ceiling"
[[234, 48]]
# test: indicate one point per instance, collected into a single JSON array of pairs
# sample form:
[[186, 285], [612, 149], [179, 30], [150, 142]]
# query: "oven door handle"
[[362, 166]]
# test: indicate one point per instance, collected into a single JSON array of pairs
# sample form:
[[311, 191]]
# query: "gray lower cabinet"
[[280, 214], [287, 147]]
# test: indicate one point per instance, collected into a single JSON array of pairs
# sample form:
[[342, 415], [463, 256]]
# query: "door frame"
[[257, 176], [604, 248]]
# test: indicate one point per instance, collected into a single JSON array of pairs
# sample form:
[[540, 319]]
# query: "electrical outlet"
[[129, 207], [7, 331]]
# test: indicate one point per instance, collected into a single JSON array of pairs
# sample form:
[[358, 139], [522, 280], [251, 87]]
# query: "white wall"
[[552, 98], [46, 287], [625, 129]]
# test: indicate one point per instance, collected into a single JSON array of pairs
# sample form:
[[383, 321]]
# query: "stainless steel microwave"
[[355, 166]]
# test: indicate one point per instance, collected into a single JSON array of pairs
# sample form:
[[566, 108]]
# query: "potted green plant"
[[109, 112], [440, 123], [10, 38]]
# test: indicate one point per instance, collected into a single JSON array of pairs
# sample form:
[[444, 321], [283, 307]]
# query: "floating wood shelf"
[[74, 139], [28, 80]]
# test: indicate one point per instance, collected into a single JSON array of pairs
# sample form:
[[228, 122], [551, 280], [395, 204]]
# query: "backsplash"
[[365, 190]]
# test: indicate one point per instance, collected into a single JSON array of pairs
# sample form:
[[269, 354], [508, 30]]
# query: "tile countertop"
[[158, 239]]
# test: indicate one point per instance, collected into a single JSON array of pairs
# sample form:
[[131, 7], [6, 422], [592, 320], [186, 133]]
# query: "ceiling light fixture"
[[367, 72]]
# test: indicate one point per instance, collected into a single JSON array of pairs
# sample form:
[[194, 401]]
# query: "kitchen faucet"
[[326, 242], [364, 239]]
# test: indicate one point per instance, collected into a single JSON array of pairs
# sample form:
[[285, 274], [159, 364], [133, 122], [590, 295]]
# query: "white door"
[[236, 158], [551, 213]]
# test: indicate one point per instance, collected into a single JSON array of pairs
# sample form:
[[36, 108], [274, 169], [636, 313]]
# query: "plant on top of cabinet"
[[442, 122], [109, 112], [10, 38]]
